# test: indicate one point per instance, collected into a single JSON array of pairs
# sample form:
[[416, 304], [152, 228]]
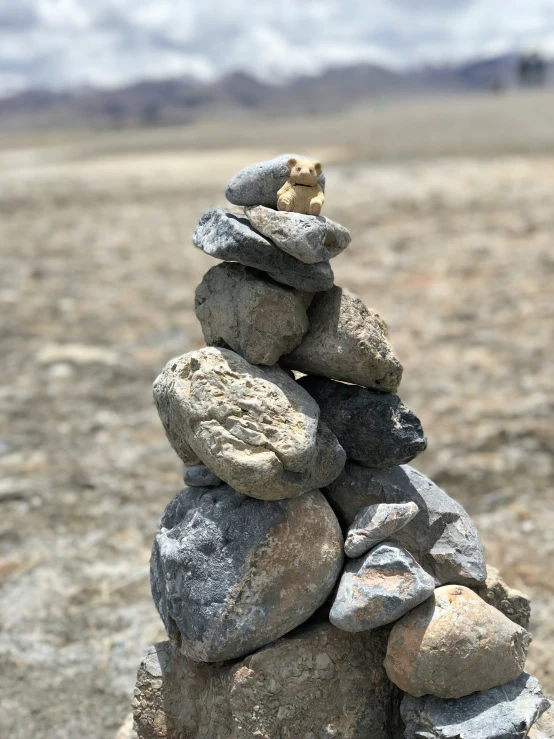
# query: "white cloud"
[[57, 43]]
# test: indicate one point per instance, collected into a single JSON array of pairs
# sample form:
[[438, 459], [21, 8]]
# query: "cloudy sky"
[[61, 43]]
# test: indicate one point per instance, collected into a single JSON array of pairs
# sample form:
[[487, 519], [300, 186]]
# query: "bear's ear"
[[291, 162], [317, 167]]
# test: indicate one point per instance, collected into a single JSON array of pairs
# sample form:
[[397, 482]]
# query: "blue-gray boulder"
[[200, 476]]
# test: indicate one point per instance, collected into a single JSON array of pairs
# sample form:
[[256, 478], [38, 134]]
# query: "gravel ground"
[[96, 286]]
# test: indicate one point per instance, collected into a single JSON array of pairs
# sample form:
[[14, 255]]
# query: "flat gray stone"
[[505, 712], [379, 588], [346, 341], [230, 573], [310, 239], [258, 184], [441, 537], [243, 309], [199, 476], [253, 426], [375, 429], [376, 523], [231, 238]]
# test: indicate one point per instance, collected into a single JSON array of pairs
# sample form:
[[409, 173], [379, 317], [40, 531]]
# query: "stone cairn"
[[313, 584]]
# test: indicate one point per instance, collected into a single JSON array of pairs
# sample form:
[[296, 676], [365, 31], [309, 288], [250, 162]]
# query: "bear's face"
[[303, 171]]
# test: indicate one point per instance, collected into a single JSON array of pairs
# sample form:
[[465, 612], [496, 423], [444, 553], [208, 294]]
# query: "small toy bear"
[[301, 193]]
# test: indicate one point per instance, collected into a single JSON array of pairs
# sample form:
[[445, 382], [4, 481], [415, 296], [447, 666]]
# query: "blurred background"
[[120, 123]]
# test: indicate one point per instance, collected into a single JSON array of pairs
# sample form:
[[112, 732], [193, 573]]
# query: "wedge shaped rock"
[[231, 238], [374, 428], [259, 183], [241, 308], [310, 239], [254, 427], [442, 537], [454, 644], [230, 573], [199, 476], [513, 603], [376, 523], [346, 341], [379, 588], [506, 712]]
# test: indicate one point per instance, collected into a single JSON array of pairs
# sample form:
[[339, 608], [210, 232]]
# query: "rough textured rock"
[[255, 427], [379, 588], [230, 574], [454, 644], [442, 537], [241, 308], [374, 428], [316, 682], [259, 183], [513, 604], [376, 523], [310, 239], [199, 476], [231, 238], [346, 341], [505, 712]]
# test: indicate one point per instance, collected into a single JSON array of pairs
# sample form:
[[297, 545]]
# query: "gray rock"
[[505, 712], [346, 341], [231, 238], [310, 239], [258, 184], [442, 537], [374, 428], [199, 476], [315, 682], [255, 427], [513, 603], [230, 574], [242, 308], [376, 523], [379, 588]]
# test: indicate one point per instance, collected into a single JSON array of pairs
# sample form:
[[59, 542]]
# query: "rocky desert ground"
[[450, 204]]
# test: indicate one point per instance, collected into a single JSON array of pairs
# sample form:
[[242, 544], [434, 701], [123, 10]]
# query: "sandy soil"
[[97, 282]]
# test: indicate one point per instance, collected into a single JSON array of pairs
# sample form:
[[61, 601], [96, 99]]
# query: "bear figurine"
[[301, 193]]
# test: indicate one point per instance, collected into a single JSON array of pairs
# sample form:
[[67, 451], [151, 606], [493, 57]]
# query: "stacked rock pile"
[[312, 583]]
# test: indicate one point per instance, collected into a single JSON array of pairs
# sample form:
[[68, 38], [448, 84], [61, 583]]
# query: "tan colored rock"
[[254, 427], [346, 341], [245, 310], [513, 603], [454, 644]]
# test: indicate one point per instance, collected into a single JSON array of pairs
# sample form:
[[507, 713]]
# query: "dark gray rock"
[[376, 523], [258, 184], [230, 574], [229, 237], [505, 712], [379, 588], [374, 428], [442, 537], [199, 476]]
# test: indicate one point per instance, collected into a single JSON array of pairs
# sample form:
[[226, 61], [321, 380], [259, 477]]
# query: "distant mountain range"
[[184, 100]]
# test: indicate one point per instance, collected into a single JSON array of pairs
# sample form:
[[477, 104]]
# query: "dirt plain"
[[450, 204]]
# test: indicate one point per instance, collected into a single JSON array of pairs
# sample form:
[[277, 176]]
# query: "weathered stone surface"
[[374, 428], [346, 341], [231, 238], [230, 574], [442, 537], [310, 239], [241, 308], [316, 682], [513, 604], [505, 712], [379, 588], [259, 183], [376, 523], [255, 427], [199, 476], [454, 644]]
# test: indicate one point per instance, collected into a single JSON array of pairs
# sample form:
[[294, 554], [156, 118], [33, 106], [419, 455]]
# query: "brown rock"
[[511, 602], [454, 644]]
